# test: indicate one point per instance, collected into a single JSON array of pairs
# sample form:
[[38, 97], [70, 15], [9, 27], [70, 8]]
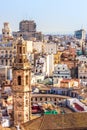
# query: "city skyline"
[[43, 78], [51, 16]]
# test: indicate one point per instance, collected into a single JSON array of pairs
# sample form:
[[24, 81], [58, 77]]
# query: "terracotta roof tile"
[[70, 121]]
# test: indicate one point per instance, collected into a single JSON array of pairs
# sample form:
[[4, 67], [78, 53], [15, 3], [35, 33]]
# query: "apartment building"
[[62, 71], [40, 67], [7, 53], [82, 72], [57, 57], [50, 48], [50, 64], [80, 34]]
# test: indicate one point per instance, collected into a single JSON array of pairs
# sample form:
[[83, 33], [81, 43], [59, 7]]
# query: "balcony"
[[2, 56], [6, 56], [21, 65], [10, 56]]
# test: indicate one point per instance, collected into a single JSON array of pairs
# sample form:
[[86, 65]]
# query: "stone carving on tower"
[[21, 85]]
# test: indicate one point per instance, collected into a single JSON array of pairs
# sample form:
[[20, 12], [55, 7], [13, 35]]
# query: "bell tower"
[[21, 85]]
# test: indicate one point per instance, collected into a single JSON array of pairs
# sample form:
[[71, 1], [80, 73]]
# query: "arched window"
[[20, 60], [19, 80], [26, 79], [24, 50], [46, 99], [35, 99]]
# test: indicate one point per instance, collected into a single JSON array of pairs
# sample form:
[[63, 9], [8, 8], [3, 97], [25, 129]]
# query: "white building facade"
[[62, 71], [82, 72], [50, 48], [50, 64]]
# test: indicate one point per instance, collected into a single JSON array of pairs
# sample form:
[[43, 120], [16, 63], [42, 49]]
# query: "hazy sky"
[[51, 16]]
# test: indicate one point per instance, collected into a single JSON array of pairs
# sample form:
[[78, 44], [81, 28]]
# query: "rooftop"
[[70, 121]]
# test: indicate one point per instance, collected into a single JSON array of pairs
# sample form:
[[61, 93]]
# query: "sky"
[[51, 16]]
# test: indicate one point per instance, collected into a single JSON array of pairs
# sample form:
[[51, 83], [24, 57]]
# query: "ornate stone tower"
[[6, 32], [21, 85]]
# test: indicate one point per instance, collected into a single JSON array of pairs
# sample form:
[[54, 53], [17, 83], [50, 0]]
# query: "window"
[[20, 35], [26, 79], [40, 71], [10, 55], [19, 115], [14, 47], [10, 62], [35, 99], [46, 99], [55, 99], [6, 61], [24, 50], [2, 62], [27, 116], [41, 99], [19, 80], [2, 52], [26, 102], [20, 60], [20, 50], [84, 77], [10, 51]]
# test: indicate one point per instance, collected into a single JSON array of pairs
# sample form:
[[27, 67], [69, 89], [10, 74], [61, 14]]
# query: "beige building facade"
[[82, 72]]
